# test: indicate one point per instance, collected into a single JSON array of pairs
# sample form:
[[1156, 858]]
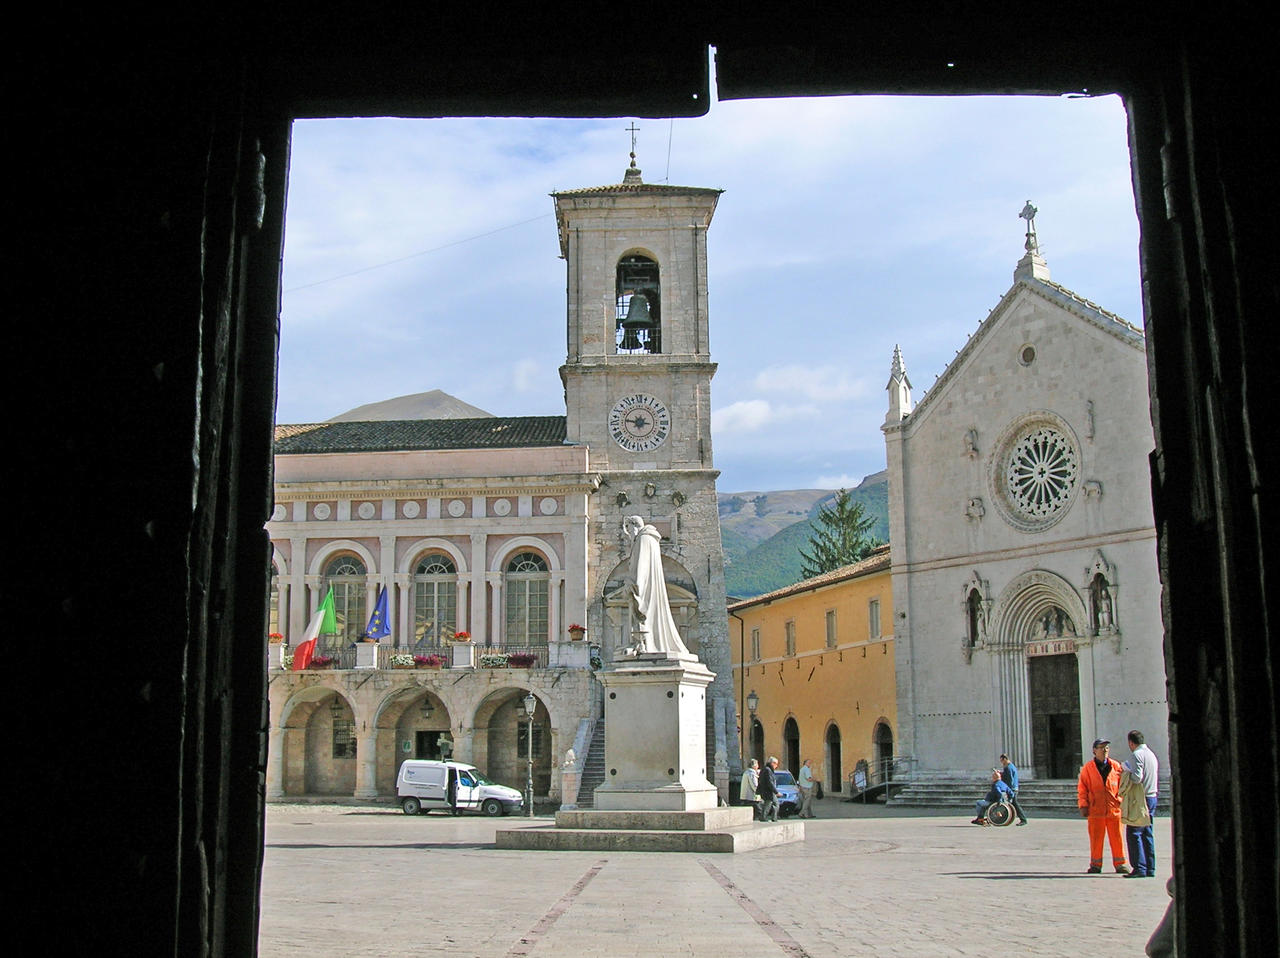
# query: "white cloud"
[[842, 481], [815, 383], [525, 375]]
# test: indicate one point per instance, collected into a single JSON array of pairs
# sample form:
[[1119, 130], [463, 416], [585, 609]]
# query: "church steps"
[[1045, 795]]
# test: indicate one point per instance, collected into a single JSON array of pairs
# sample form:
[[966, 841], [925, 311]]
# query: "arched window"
[[638, 324], [346, 575], [435, 600], [528, 585]]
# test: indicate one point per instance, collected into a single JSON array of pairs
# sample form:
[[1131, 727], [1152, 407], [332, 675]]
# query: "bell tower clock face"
[[639, 423]]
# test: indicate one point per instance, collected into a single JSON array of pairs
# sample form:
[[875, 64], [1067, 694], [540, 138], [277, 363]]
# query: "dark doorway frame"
[[147, 292]]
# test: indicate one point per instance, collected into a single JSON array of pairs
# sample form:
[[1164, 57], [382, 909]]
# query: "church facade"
[[1025, 583], [497, 542]]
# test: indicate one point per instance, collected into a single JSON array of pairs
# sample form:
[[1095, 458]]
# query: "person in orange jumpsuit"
[[1098, 795]]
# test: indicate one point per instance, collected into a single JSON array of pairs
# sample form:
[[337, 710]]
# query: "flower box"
[[521, 660], [493, 660], [428, 661], [462, 637], [577, 633]]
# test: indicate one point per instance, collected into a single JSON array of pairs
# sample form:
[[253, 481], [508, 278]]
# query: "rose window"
[[1041, 474]]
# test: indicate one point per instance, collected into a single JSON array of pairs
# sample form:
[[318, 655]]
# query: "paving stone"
[[350, 880]]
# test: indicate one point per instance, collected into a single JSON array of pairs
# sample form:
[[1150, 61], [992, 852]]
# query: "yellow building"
[[813, 671]]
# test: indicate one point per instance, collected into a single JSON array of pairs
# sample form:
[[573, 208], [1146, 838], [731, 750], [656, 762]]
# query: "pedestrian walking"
[[768, 791], [1144, 769], [807, 787], [1009, 773], [748, 792], [1098, 796]]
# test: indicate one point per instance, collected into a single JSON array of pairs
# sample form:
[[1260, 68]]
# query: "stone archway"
[[1038, 614], [500, 740], [318, 744], [417, 723]]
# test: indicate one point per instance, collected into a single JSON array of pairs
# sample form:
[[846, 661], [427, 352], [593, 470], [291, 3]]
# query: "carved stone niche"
[[974, 509], [971, 443], [975, 604], [1102, 594]]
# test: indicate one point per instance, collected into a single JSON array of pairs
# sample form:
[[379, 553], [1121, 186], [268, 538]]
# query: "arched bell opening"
[[638, 319]]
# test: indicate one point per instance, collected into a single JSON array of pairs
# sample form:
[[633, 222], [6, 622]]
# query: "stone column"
[[477, 575], [553, 620], [282, 606], [1014, 702], [275, 764], [367, 763], [496, 610], [404, 618]]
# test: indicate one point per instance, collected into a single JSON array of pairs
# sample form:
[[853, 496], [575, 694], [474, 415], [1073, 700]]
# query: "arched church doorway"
[[1054, 687], [882, 744], [832, 761], [791, 746], [757, 741]]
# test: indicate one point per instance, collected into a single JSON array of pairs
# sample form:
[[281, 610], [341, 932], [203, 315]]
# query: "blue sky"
[[422, 254]]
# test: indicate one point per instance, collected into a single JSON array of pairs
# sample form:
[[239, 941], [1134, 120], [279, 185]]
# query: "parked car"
[[423, 785], [788, 793]]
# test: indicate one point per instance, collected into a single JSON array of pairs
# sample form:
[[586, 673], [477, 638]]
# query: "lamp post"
[[530, 703], [753, 702]]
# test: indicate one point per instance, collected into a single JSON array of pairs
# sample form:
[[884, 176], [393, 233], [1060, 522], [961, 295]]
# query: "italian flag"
[[323, 621]]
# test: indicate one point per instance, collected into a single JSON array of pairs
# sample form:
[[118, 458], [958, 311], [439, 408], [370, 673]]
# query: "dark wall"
[[142, 354]]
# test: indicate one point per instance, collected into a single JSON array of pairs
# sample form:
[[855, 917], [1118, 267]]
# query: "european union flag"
[[379, 623]]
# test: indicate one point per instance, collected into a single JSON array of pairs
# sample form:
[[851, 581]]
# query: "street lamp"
[[530, 703], [753, 702]]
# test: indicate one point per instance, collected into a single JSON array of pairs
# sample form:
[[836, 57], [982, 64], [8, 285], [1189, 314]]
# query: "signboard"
[[860, 780], [1051, 647]]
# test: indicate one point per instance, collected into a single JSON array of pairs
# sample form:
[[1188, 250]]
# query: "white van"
[[424, 785]]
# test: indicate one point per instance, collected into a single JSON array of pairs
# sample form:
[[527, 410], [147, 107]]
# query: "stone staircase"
[[592, 768], [1041, 795]]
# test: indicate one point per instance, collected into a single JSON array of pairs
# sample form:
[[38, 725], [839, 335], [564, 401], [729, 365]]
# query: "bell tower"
[[637, 381]]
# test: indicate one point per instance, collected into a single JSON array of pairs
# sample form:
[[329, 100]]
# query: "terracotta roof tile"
[[496, 432]]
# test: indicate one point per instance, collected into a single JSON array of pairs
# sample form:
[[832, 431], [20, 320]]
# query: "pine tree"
[[840, 536]]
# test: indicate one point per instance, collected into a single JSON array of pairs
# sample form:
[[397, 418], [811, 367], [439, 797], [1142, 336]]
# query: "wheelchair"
[[1001, 813]]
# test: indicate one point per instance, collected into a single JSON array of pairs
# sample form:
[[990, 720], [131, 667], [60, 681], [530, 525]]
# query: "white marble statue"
[[653, 630]]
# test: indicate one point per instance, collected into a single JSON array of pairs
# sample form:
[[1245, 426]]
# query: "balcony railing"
[[486, 656]]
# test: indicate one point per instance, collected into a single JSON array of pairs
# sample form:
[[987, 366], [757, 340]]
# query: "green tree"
[[840, 536]]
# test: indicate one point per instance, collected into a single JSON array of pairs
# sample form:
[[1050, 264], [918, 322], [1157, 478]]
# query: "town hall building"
[[1025, 588], [498, 541]]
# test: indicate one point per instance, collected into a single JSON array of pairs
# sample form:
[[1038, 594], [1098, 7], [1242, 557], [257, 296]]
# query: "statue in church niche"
[[1100, 596], [653, 630]]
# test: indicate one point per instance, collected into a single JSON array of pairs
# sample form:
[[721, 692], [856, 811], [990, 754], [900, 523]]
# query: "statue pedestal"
[[655, 746]]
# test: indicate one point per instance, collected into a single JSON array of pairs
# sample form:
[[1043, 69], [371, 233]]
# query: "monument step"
[[741, 838], [1049, 795]]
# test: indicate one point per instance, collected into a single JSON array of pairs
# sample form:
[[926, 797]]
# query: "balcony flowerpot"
[[577, 633]]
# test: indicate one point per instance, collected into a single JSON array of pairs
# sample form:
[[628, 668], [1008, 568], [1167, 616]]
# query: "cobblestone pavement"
[[355, 880]]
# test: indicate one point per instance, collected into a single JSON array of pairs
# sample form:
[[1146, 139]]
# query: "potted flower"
[[577, 632], [493, 660], [322, 662], [275, 638], [462, 636], [366, 637], [521, 660], [402, 660], [432, 661]]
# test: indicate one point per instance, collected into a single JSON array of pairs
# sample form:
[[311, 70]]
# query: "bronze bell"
[[637, 319]]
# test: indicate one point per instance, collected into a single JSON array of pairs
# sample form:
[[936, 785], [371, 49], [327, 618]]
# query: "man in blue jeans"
[[1145, 768], [1010, 776]]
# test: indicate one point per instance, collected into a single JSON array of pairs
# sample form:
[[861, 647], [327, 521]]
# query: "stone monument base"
[[726, 830]]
